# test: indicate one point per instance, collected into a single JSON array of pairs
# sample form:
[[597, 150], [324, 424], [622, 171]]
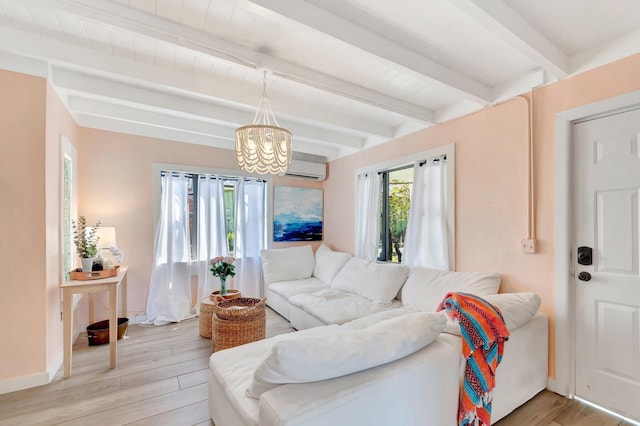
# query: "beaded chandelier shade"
[[263, 147]]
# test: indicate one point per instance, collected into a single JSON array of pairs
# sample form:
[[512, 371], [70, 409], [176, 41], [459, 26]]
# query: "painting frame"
[[297, 214]]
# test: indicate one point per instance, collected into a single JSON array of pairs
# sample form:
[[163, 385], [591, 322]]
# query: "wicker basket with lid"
[[238, 321]]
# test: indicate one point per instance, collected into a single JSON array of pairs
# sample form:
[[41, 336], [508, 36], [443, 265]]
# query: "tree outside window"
[[396, 200]]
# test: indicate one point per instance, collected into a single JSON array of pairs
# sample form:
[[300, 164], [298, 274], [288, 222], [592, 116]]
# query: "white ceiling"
[[343, 74]]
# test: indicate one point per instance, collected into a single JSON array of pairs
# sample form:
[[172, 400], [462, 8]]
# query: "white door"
[[607, 323]]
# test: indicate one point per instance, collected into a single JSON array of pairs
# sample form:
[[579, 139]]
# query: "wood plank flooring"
[[161, 379]]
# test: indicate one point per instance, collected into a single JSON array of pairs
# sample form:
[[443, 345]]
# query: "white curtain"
[[367, 227], [250, 236], [426, 240], [170, 287], [211, 233]]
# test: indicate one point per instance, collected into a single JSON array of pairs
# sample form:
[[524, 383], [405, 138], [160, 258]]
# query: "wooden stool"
[[206, 312]]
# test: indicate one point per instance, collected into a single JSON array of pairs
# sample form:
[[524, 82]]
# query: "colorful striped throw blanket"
[[483, 335]]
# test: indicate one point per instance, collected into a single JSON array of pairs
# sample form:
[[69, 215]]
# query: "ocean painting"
[[297, 214]]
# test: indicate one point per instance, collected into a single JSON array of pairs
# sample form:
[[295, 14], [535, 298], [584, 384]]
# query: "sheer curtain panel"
[[250, 236], [211, 232], [426, 239], [170, 286], [367, 231]]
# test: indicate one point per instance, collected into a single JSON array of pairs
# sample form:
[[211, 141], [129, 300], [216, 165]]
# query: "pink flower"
[[222, 266]]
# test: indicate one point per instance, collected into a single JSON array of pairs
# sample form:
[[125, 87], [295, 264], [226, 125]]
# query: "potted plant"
[[86, 241]]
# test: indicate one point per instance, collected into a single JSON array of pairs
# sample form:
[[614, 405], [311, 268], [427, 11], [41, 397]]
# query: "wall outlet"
[[528, 245]]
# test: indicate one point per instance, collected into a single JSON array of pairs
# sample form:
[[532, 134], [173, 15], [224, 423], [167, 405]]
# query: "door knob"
[[584, 276]]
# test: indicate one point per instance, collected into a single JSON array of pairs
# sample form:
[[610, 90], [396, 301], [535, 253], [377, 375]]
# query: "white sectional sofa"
[[369, 356], [333, 287]]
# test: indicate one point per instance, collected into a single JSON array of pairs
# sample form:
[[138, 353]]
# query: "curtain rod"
[[204, 176], [435, 160], [421, 163]]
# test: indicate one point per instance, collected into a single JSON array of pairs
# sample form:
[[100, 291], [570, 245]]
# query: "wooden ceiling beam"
[[418, 66], [497, 17], [138, 22], [144, 104]]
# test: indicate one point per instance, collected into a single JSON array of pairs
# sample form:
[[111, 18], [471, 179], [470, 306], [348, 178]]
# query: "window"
[[192, 197], [405, 209], [229, 194], [69, 208], [396, 199], [204, 208], [67, 239]]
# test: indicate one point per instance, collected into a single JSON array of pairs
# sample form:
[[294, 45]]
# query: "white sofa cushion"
[[334, 306], [288, 289], [425, 288], [378, 282], [329, 263], [517, 309], [311, 359], [369, 320], [292, 263]]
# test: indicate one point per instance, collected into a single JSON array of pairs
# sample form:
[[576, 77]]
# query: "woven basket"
[[240, 308], [235, 332], [232, 293], [206, 312]]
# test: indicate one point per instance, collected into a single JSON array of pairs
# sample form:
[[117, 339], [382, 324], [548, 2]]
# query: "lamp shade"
[[263, 149], [107, 235], [263, 146]]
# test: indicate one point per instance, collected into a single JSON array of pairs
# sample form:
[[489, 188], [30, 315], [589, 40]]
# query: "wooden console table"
[[111, 285]]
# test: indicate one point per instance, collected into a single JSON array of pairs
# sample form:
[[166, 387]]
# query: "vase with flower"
[[223, 268]]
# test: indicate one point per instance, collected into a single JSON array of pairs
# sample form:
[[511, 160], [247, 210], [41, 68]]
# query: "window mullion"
[[195, 179], [384, 222]]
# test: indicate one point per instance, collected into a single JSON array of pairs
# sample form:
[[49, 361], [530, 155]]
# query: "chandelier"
[[263, 147]]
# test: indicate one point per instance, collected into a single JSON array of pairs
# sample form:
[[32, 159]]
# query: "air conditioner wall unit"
[[307, 170]]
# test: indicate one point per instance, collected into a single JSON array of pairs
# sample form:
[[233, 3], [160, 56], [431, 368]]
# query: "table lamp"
[[108, 248]]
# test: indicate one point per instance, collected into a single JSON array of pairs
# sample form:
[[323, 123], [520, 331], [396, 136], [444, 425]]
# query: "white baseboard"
[[552, 385], [55, 365], [77, 332], [25, 382]]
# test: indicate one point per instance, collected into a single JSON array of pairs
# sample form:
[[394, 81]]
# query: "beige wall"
[[491, 184], [58, 122], [32, 118], [22, 226]]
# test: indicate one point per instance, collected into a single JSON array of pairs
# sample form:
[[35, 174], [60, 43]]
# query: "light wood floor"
[[161, 379]]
